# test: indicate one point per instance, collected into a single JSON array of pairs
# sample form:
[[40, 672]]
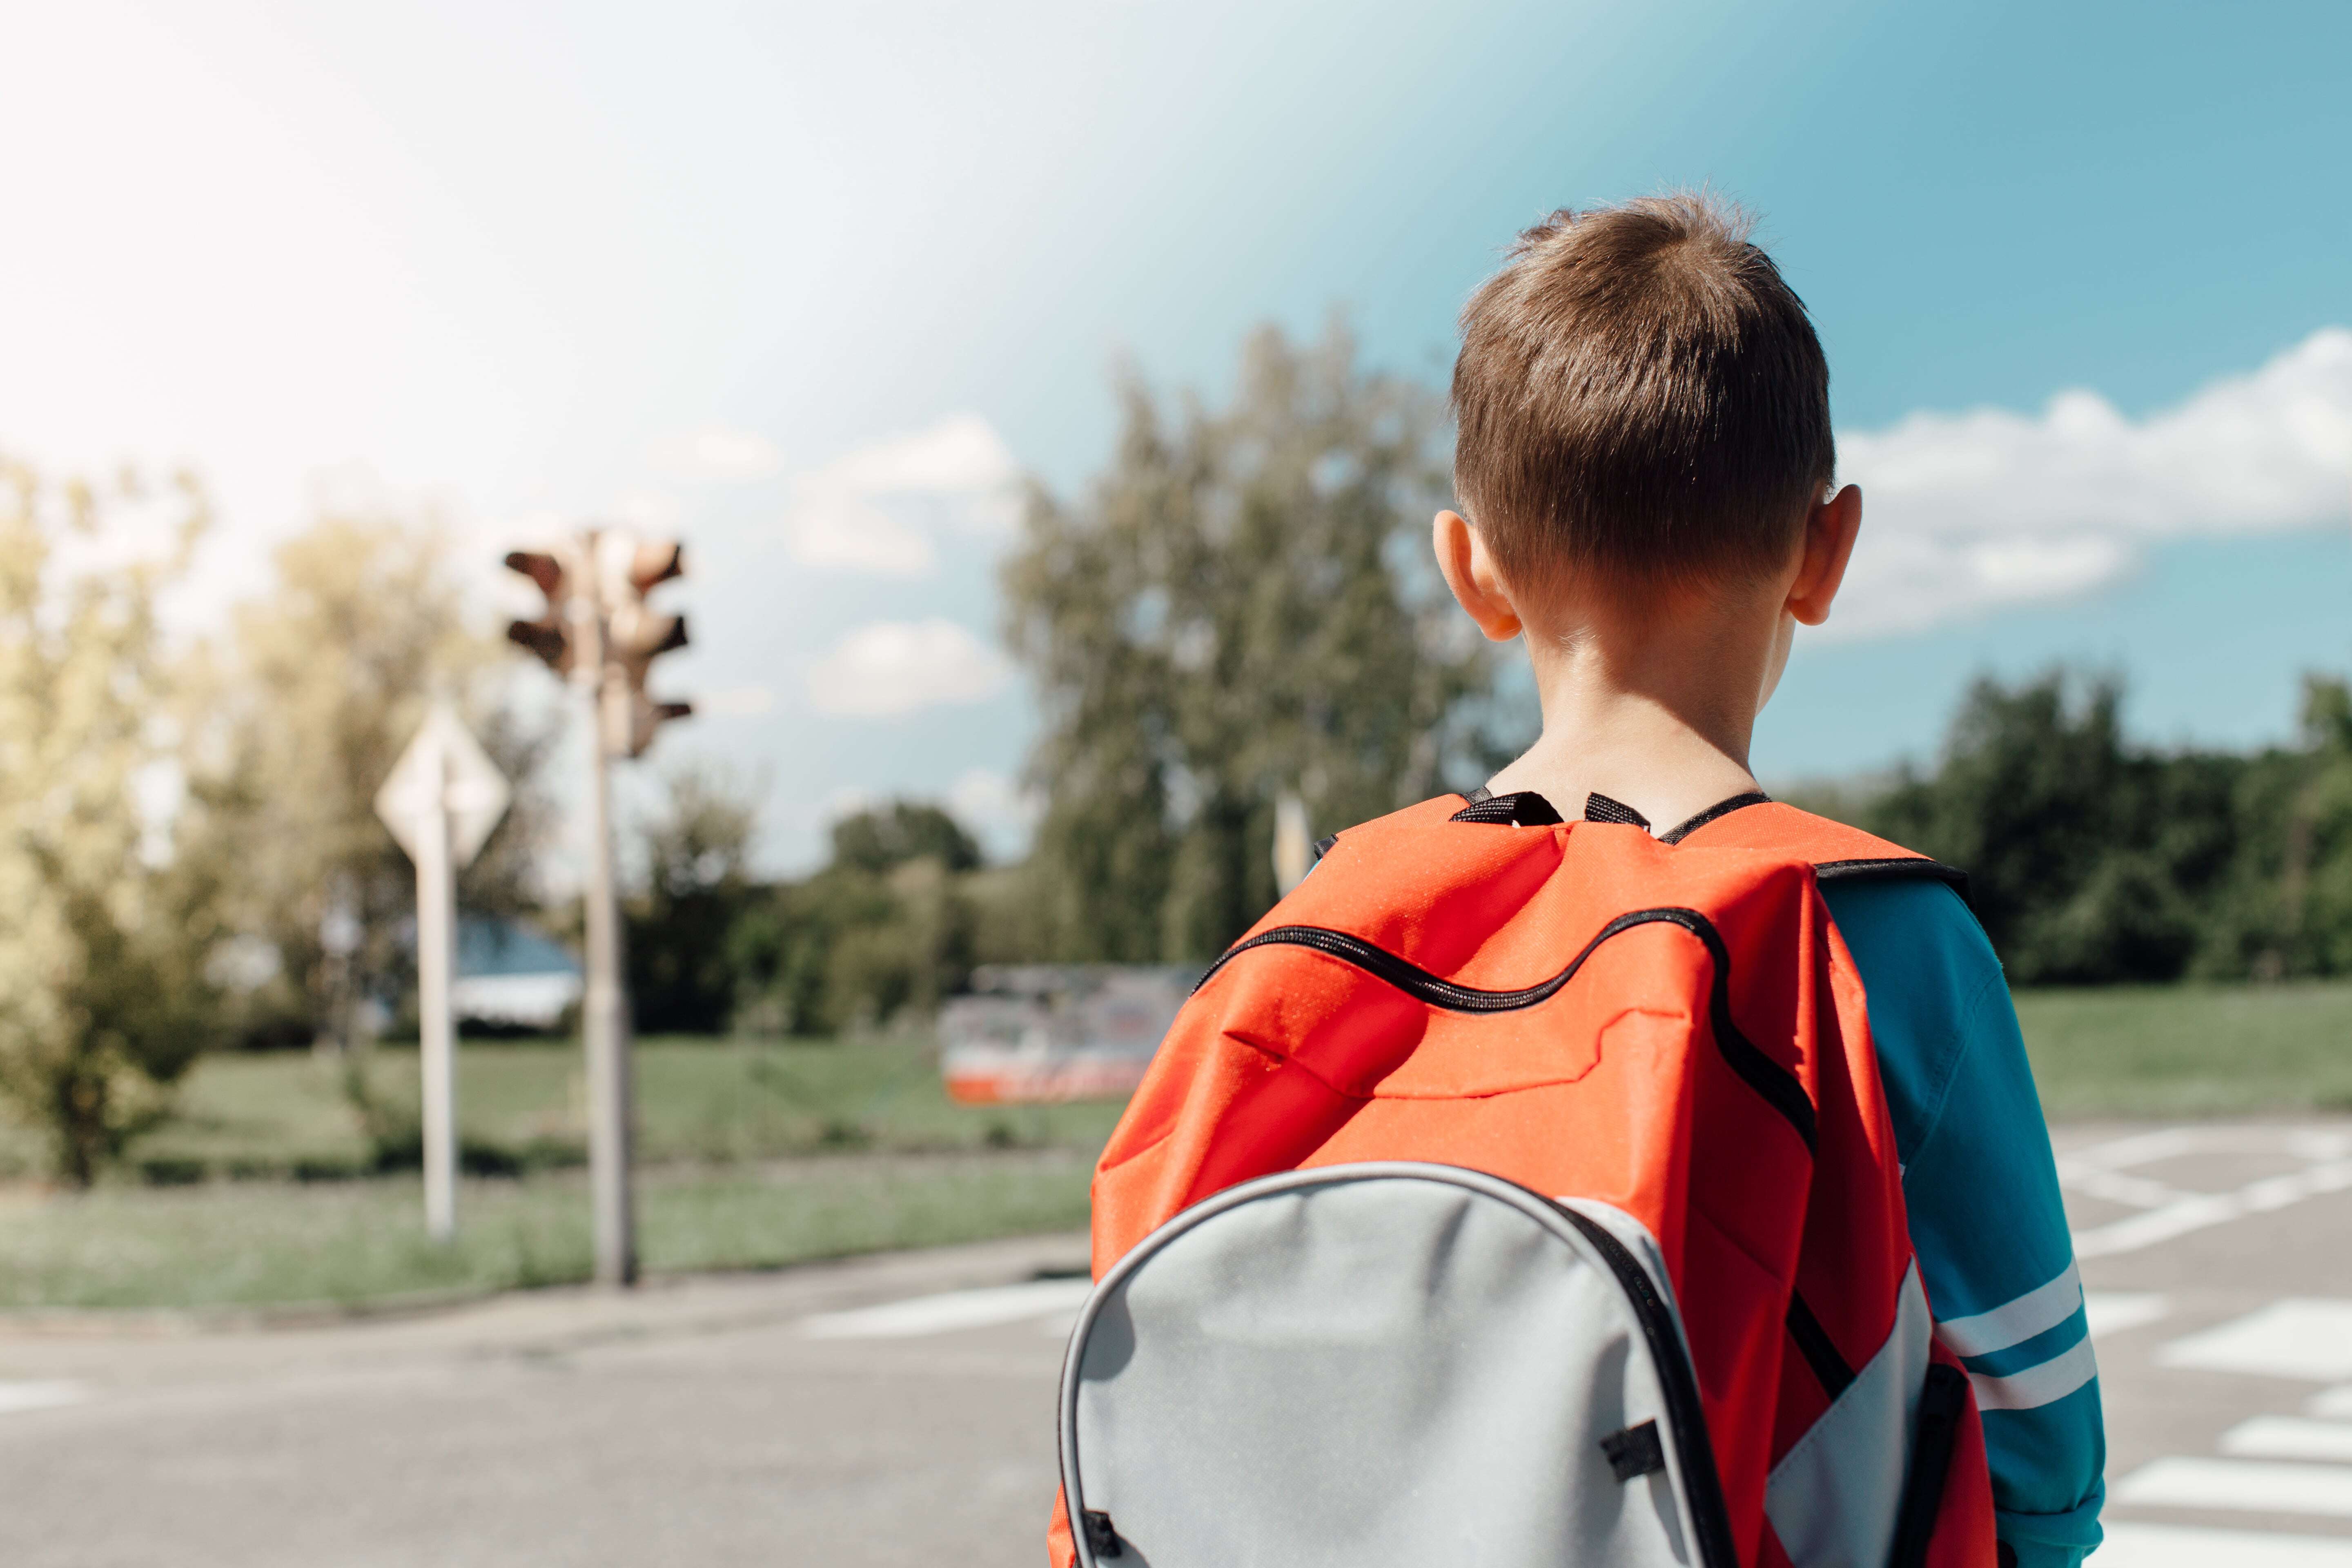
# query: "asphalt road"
[[898, 1410]]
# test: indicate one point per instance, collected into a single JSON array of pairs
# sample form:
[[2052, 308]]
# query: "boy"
[[1646, 459]]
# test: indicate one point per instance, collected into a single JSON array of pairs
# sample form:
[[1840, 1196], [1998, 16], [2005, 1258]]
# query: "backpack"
[[1521, 1193]]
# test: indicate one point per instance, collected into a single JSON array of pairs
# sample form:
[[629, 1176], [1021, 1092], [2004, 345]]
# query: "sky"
[[814, 287]]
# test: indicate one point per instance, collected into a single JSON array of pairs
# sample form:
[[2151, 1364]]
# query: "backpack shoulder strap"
[[1839, 853]]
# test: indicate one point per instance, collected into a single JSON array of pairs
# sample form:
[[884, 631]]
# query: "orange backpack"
[[1668, 1026]]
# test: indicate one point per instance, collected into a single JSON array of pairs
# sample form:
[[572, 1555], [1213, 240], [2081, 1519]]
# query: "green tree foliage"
[[2286, 909], [299, 714], [879, 840], [682, 927], [1236, 609], [2092, 860], [105, 929], [889, 927]]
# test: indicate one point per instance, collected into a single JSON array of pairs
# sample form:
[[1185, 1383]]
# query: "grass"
[[762, 1154], [2167, 1051], [522, 1106], [755, 1154], [255, 1243]]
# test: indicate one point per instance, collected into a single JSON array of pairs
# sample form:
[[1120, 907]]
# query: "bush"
[[2093, 862]]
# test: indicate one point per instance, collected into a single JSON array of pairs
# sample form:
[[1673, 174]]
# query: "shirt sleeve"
[[1987, 1222]]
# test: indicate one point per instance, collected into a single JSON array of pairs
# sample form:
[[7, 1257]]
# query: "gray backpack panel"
[[1387, 1363]]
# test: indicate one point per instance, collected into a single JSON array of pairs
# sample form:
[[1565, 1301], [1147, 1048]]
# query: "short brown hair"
[[1640, 394]]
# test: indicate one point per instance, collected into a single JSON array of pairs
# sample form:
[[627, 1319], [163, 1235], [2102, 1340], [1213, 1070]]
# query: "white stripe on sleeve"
[[2037, 1385], [2016, 1321]]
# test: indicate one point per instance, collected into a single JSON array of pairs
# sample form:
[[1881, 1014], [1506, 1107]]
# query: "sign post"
[[443, 798]]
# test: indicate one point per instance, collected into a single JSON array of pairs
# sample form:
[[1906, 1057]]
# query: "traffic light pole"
[[599, 634], [604, 1014]]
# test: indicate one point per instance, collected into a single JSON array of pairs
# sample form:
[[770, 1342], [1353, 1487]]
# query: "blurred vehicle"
[[511, 977], [1034, 1032]]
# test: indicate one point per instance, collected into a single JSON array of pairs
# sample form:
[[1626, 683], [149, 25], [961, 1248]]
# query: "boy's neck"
[[1652, 706]]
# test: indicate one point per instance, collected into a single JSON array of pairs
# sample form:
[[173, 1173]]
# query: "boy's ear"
[[1830, 529], [1470, 571]]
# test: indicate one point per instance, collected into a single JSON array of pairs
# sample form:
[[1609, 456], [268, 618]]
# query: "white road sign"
[[444, 769], [443, 798]]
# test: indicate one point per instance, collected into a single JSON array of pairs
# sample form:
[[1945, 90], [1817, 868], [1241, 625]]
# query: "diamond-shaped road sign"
[[444, 769]]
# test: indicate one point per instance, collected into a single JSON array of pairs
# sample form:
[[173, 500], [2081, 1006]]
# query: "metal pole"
[[604, 1013], [437, 920]]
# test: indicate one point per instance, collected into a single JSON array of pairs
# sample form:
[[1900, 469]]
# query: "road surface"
[[898, 1410]]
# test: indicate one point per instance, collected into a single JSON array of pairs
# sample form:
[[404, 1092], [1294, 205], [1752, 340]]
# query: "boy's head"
[[1641, 402]]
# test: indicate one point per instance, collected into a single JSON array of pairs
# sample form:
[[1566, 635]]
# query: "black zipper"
[[1685, 1416], [1779, 1086]]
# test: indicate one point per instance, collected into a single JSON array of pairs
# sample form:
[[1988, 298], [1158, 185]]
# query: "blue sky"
[[809, 282]]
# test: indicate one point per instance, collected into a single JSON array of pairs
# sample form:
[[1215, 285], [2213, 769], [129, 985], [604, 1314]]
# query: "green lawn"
[[268, 1187], [2190, 1050], [523, 1106], [759, 1154], [246, 1243]]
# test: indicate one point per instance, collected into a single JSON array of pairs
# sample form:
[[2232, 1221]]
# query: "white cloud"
[[995, 809], [875, 508], [1964, 512], [849, 531], [738, 701], [649, 511], [897, 666], [716, 452], [987, 800]]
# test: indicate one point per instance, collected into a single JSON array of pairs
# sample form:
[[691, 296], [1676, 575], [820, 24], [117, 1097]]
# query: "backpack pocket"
[[1388, 1365]]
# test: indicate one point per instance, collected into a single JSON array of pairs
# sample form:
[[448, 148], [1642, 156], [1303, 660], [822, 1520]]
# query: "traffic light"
[[636, 634], [644, 717], [550, 636], [599, 633]]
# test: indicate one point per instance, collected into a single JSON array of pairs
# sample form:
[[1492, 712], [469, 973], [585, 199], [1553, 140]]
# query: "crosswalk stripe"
[[2302, 1338], [40, 1395], [2334, 1403], [2244, 1484], [2135, 1545], [2113, 1311], [950, 1311], [2289, 1437]]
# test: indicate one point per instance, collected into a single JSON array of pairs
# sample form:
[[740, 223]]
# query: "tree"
[[884, 837], [1238, 609], [298, 718], [887, 928], [2089, 859], [681, 956], [2286, 906], [105, 931]]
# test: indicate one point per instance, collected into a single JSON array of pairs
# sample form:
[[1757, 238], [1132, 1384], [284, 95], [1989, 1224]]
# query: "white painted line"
[[2121, 1187], [2144, 1148], [2203, 1211], [2316, 1144], [2104, 1171], [2288, 1438], [2113, 1311], [2259, 1485], [946, 1313], [2335, 1403], [14, 1397], [2293, 1338], [2134, 1545]]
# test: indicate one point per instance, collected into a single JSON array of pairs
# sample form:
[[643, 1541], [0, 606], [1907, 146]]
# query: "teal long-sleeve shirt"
[[1981, 1188]]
